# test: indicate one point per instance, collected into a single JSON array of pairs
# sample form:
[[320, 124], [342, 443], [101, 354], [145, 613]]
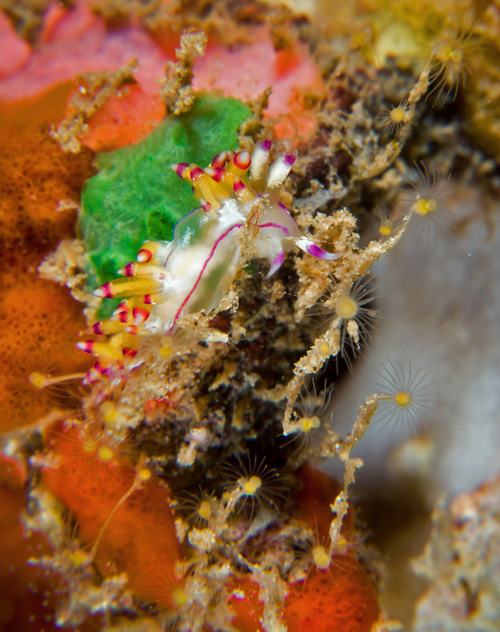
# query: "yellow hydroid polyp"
[[346, 307], [405, 396]]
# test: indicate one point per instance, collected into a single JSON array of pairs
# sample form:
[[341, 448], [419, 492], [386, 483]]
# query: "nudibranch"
[[194, 270]]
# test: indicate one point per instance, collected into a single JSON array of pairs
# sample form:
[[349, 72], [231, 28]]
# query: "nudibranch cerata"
[[194, 270]]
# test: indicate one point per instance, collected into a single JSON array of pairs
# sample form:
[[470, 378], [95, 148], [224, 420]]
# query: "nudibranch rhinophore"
[[195, 270]]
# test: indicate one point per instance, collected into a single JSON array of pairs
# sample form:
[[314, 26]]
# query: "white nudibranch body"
[[239, 197]]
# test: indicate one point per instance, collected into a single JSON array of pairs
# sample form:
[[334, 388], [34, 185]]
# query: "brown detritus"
[[230, 23], [254, 127], [176, 90], [481, 98], [280, 21], [118, 13], [27, 16], [355, 134], [353, 265], [67, 266], [94, 89], [392, 150], [351, 145], [337, 231], [384, 624]]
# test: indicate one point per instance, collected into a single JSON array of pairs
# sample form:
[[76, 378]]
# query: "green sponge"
[[136, 196]]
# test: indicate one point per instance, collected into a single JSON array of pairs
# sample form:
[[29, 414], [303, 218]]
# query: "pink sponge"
[[15, 51], [74, 41]]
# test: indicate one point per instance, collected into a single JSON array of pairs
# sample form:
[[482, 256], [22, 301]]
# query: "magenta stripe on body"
[[284, 208], [212, 252], [316, 251], [278, 260], [319, 253], [274, 225]]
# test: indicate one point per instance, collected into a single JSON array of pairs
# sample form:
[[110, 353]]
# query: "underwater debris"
[[93, 91], [461, 564], [177, 92]]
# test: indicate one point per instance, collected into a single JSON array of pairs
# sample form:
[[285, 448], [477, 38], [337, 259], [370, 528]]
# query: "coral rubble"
[[461, 562]]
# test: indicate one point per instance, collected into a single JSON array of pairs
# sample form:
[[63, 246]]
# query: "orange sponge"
[[341, 598], [141, 531], [40, 321], [318, 492], [26, 599]]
